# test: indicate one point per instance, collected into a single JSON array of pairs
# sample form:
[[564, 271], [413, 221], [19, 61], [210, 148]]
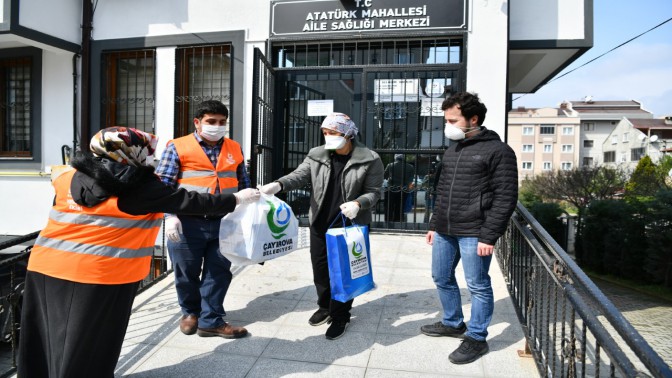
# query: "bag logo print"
[[278, 219], [356, 249]]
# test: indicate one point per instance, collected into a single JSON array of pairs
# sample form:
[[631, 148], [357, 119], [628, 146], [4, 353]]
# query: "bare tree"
[[579, 187]]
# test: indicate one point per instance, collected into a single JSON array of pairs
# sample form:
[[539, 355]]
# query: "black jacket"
[[478, 188], [139, 190]]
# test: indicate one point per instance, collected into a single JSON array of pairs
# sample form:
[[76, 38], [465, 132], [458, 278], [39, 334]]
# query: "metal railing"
[[572, 329], [12, 276]]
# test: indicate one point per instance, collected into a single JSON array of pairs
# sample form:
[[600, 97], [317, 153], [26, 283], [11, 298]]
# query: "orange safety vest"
[[96, 245], [196, 171]]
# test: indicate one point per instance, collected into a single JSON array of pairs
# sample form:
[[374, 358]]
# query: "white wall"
[[61, 19], [547, 19], [165, 17], [487, 52], [28, 199]]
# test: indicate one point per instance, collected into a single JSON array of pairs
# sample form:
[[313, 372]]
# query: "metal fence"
[[572, 329], [14, 254]]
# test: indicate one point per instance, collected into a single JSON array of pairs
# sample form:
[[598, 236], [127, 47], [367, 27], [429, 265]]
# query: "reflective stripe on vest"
[[98, 245], [196, 171]]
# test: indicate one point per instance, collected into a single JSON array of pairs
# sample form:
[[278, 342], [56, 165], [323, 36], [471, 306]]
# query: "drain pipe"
[[87, 28], [67, 153]]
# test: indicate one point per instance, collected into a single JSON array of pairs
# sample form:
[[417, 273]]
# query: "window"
[[547, 130], [588, 126], [610, 157], [625, 137], [297, 133], [548, 148], [394, 110], [587, 143], [129, 89], [527, 165], [614, 139], [623, 157], [567, 148], [547, 166], [16, 136], [362, 53], [203, 73], [527, 130], [567, 131], [636, 154], [566, 165], [587, 161], [528, 148]]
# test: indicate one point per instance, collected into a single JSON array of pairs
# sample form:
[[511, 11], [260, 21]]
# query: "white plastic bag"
[[259, 231]]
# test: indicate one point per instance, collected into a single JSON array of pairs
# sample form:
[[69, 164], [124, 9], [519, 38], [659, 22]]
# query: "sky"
[[640, 70]]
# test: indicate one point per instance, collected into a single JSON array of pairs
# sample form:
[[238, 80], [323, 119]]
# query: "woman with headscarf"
[[346, 177], [86, 264]]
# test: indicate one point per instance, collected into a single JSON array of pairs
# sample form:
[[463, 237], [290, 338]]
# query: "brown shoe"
[[188, 324], [226, 331]]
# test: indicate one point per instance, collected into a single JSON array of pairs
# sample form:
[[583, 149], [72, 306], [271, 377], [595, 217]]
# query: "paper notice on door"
[[320, 107]]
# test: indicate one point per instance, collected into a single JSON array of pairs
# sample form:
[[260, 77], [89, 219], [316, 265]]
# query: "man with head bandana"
[[86, 264], [346, 177]]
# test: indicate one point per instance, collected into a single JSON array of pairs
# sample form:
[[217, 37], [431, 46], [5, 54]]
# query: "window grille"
[[15, 107], [443, 51], [129, 92], [203, 73], [547, 130]]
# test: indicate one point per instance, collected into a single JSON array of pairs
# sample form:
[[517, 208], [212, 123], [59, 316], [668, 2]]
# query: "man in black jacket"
[[476, 195]]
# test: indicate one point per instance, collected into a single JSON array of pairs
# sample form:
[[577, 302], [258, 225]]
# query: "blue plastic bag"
[[350, 272]]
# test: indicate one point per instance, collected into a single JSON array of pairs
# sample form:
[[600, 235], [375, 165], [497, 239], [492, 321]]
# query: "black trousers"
[[318, 257], [71, 329], [395, 206]]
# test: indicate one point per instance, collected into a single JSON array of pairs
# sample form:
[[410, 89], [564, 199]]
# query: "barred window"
[[129, 93], [15, 107], [203, 73], [363, 53]]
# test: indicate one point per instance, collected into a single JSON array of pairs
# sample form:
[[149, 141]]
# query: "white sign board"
[[320, 107], [396, 90]]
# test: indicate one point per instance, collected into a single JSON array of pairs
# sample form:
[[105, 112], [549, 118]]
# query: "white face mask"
[[213, 133], [455, 133], [334, 142]]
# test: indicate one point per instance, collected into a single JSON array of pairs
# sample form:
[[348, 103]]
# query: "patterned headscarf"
[[341, 123], [125, 145]]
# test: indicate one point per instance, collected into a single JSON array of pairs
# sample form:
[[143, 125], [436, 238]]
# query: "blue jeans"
[[200, 292], [446, 253]]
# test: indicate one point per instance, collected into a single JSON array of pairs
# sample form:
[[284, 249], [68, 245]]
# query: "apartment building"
[[570, 136], [544, 139], [633, 138], [598, 120]]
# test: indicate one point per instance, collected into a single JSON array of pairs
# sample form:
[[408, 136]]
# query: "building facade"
[[634, 138], [570, 136], [280, 66]]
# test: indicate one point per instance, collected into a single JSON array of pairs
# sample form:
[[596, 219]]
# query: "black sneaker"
[[438, 329], [320, 317], [469, 351], [336, 329]]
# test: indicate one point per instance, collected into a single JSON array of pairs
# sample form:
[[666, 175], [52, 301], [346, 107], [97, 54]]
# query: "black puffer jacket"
[[478, 188], [139, 190]]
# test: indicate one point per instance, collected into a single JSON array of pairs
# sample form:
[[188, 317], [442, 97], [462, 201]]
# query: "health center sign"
[[303, 18]]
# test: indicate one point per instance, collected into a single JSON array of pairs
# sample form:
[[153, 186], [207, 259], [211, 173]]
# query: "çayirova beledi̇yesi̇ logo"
[[278, 219], [356, 249]]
